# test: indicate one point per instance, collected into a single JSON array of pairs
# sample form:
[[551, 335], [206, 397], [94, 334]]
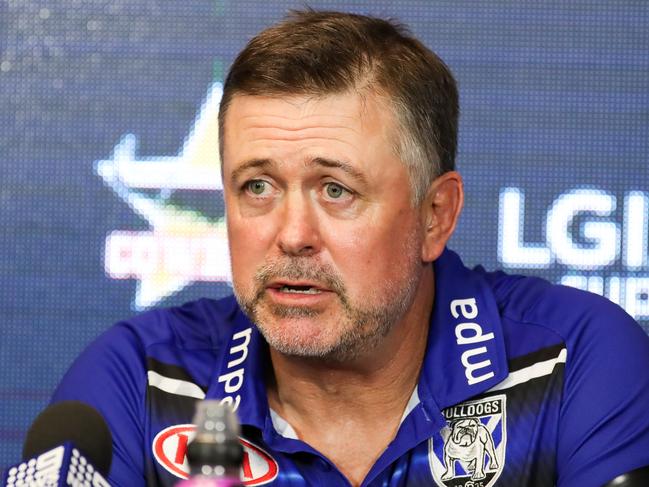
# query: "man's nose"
[[298, 233]]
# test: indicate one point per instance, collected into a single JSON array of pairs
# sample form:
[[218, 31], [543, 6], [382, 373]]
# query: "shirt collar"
[[244, 362], [465, 353]]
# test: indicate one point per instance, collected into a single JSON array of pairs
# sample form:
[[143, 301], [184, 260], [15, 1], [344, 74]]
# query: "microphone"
[[69, 443], [634, 478]]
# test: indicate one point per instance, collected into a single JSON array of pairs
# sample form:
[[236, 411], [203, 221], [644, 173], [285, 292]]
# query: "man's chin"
[[299, 346], [327, 332], [280, 312], [299, 335]]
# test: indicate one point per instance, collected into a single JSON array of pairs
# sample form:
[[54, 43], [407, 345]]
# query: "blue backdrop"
[[110, 201]]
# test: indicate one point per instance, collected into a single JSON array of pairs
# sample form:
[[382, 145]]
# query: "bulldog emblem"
[[470, 450], [468, 442]]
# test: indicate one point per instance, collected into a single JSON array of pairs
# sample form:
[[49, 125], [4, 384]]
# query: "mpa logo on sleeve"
[[470, 450]]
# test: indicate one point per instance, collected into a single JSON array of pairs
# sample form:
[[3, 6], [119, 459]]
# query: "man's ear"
[[440, 211]]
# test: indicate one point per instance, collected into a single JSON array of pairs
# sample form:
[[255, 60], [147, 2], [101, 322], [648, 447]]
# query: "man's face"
[[324, 241]]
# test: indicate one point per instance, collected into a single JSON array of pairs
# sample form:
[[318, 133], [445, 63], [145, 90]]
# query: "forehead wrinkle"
[[289, 119], [315, 134], [302, 121], [303, 129], [306, 140]]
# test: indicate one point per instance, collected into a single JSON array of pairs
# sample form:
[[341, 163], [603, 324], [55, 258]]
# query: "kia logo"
[[170, 450]]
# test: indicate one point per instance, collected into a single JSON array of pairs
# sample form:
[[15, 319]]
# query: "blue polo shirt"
[[523, 383]]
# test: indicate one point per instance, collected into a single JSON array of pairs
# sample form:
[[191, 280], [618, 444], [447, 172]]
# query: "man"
[[359, 349]]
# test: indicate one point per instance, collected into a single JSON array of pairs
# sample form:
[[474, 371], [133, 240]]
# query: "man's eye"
[[256, 186], [335, 191]]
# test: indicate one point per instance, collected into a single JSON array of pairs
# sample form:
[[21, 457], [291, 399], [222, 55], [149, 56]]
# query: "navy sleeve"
[[604, 419], [110, 375]]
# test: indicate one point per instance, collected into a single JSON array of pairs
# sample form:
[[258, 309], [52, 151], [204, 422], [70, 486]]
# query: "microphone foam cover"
[[76, 422]]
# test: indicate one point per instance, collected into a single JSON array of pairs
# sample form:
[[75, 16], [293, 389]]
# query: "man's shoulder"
[[575, 316], [178, 343], [588, 357], [199, 324], [529, 298], [179, 338]]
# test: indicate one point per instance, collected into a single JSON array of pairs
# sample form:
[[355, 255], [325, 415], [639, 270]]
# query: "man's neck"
[[378, 382], [341, 408]]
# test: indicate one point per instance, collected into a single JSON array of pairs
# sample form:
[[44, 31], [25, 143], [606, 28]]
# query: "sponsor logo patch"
[[470, 450], [170, 449]]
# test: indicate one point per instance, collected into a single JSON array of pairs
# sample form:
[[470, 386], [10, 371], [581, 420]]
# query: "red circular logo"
[[170, 449]]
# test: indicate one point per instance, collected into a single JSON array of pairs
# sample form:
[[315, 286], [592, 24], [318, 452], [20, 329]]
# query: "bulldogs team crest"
[[470, 450]]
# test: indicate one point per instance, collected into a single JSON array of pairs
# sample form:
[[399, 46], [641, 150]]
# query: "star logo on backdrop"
[[184, 245]]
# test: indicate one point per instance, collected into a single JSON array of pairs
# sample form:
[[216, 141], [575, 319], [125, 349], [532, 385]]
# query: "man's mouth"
[[296, 288], [300, 290]]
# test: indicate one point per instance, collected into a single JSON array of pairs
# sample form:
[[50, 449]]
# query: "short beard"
[[365, 326]]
